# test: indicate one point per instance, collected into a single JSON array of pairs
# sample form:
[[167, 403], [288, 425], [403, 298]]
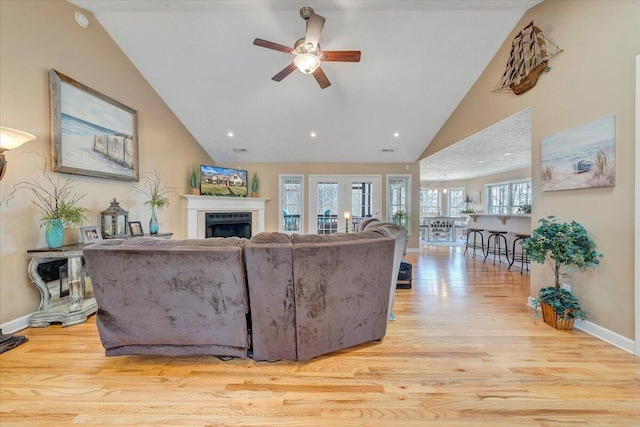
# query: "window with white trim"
[[456, 201], [507, 197], [399, 200], [291, 198], [429, 203]]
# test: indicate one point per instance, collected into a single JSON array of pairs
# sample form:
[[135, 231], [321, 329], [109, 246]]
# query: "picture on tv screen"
[[215, 181]]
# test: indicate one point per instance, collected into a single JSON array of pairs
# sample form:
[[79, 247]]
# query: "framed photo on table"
[[90, 234], [135, 228]]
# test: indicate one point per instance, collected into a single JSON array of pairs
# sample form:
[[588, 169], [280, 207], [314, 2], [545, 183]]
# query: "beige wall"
[[34, 37], [592, 78], [269, 173]]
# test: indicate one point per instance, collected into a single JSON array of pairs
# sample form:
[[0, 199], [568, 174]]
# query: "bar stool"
[[499, 237], [521, 256], [474, 244]]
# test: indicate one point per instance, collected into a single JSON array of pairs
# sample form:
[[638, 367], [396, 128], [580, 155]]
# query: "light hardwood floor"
[[465, 351]]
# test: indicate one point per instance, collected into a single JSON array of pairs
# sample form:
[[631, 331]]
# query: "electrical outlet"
[[566, 287]]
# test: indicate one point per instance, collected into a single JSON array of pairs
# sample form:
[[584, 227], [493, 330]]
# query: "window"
[[456, 201], [429, 203], [507, 197], [291, 198], [399, 199]]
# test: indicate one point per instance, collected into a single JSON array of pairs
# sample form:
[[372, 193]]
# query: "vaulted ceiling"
[[419, 58]]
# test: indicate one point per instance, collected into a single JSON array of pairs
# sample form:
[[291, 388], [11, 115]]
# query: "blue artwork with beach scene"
[[581, 157], [93, 134]]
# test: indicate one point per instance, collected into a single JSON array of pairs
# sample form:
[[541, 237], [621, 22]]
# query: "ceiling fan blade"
[[314, 28], [272, 45], [341, 55], [321, 78], [284, 73]]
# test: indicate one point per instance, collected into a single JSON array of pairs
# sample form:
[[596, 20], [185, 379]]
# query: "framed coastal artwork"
[[581, 157], [92, 134]]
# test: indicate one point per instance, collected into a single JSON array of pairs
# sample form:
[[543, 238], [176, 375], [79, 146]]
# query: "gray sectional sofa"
[[275, 296]]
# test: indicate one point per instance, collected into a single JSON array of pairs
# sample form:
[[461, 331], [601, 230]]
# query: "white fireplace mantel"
[[197, 206]]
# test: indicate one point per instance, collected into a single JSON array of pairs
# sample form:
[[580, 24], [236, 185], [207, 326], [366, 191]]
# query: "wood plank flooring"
[[465, 351]]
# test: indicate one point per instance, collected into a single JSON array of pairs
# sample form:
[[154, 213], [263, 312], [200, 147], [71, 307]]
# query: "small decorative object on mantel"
[[157, 191], [113, 221], [255, 184], [194, 180], [58, 203], [530, 53], [566, 246]]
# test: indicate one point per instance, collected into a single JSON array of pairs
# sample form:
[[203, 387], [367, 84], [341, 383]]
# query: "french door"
[[340, 202]]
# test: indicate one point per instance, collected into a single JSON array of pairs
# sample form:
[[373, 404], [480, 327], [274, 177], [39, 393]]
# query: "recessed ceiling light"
[[481, 161], [313, 134], [239, 150], [396, 134], [507, 154], [388, 150], [230, 134], [82, 20]]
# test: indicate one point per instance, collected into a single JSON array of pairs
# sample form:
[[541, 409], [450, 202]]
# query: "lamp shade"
[[307, 63], [13, 138]]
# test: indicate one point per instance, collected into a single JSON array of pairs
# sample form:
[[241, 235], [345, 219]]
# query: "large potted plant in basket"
[[566, 247]]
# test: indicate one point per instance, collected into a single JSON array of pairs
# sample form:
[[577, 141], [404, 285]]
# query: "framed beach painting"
[[581, 157], [92, 134]]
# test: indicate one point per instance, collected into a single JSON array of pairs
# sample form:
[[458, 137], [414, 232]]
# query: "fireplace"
[[197, 208], [227, 224]]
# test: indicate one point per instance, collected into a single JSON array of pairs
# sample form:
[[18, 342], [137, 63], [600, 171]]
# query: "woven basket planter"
[[552, 318]]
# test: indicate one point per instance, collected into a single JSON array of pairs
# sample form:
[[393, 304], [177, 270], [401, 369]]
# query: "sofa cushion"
[[155, 241], [270, 237], [336, 237]]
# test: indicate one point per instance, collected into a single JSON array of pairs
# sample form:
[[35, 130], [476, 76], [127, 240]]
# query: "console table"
[[71, 309]]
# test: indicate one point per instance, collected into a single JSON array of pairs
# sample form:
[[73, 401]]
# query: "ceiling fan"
[[308, 54]]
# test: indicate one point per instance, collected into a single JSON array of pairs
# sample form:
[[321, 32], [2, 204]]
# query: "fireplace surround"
[[197, 208]]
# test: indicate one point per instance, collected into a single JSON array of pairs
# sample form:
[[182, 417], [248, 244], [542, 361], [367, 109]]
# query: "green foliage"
[[400, 218], [563, 302], [525, 209], [194, 177], [255, 183], [566, 247], [55, 198], [155, 190]]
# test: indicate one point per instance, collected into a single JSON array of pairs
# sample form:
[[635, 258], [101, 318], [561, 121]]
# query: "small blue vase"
[[54, 233], [153, 222]]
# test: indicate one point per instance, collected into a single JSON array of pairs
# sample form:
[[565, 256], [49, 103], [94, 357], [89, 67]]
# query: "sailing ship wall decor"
[[530, 53]]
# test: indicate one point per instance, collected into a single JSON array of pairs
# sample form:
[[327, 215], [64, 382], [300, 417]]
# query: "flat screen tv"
[[226, 182]]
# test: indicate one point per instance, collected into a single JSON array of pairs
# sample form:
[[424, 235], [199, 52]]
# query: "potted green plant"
[[565, 247], [400, 218], [255, 184], [194, 180], [524, 209], [58, 203], [157, 192]]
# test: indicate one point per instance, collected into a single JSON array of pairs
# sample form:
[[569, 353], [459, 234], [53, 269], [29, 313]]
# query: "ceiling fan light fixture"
[[307, 63]]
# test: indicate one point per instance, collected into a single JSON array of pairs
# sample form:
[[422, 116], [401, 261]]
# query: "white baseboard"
[[15, 325], [604, 334]]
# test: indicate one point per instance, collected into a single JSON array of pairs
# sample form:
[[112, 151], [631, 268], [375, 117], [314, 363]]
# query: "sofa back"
[[170, 297]]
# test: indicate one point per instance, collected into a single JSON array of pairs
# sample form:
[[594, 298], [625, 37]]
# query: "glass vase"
[[54, 233], [153, 222]]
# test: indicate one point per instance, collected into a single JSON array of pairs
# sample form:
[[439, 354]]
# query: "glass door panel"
[[340, 203]]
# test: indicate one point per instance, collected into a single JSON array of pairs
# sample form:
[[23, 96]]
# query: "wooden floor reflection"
[[465, 351]]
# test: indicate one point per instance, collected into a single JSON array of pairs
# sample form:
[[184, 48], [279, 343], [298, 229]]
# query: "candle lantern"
[[113, 221]]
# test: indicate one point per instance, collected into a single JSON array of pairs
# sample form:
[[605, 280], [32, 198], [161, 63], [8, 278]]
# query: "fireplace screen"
[[228, 224]]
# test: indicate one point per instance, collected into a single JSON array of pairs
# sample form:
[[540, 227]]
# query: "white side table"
[[71, 309]]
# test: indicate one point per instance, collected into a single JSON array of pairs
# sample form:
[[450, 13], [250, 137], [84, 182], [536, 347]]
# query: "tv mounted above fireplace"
[[226, 182]]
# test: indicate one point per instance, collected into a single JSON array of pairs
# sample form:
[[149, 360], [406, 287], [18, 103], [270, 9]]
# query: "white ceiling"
[[419, 58]]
